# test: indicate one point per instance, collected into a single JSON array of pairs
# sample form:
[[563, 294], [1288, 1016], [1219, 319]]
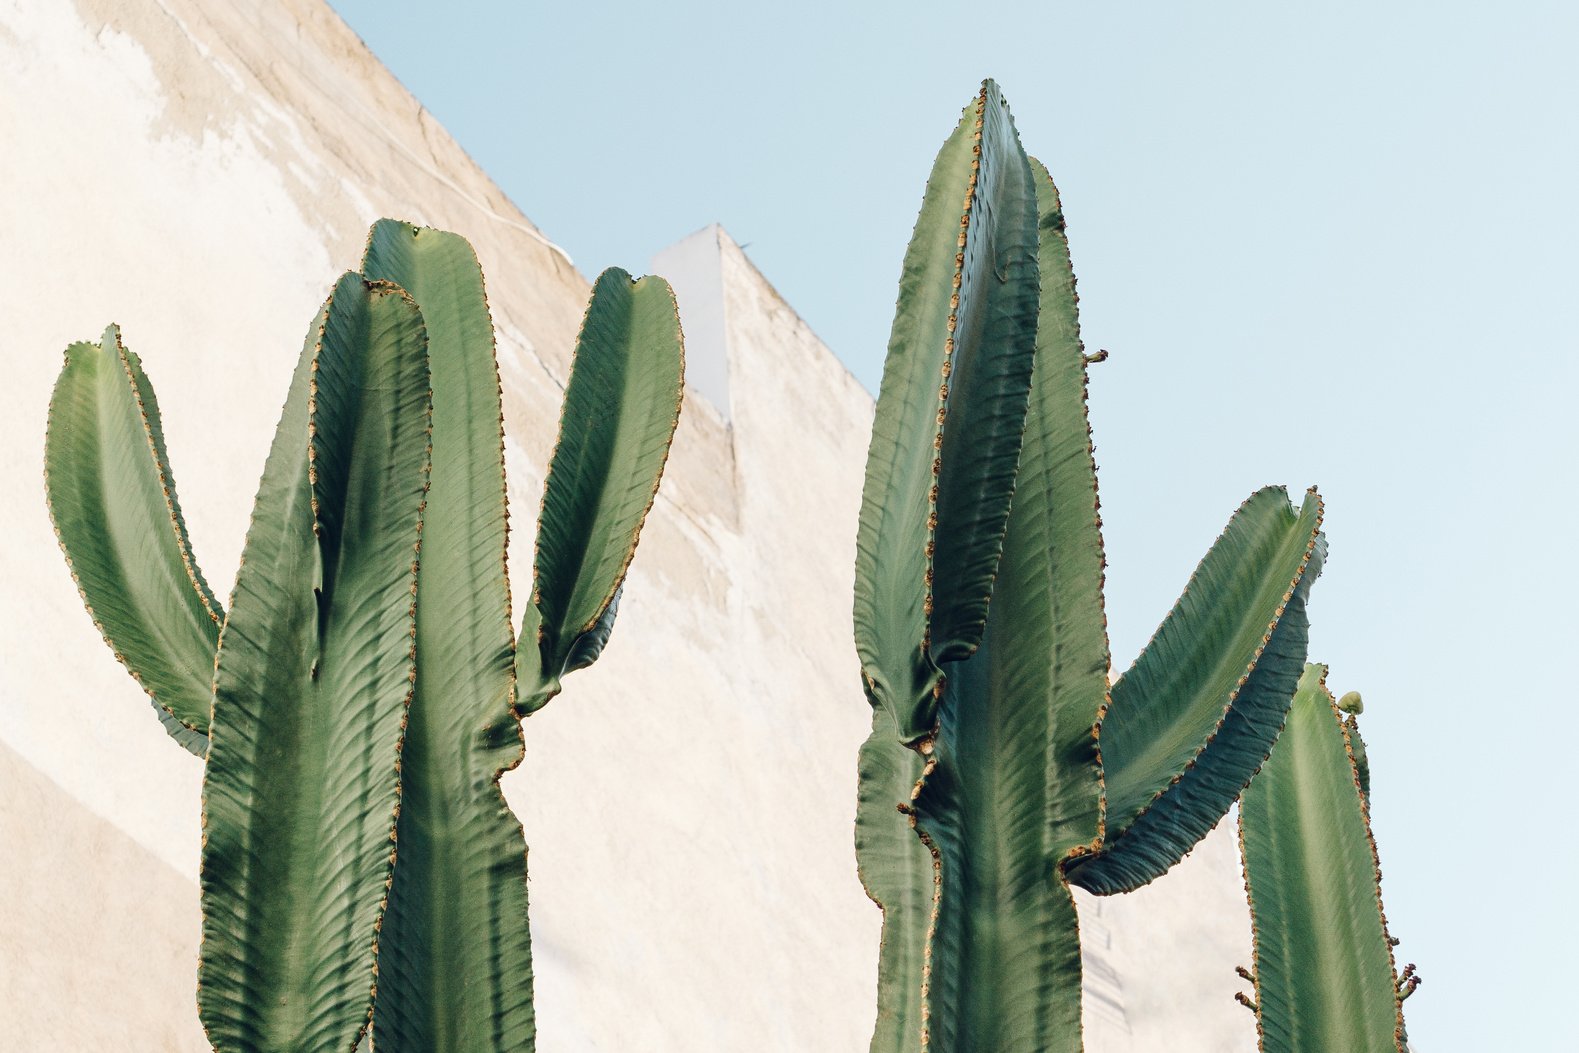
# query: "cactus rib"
[[315, 671], [455, 955], [931, 526]]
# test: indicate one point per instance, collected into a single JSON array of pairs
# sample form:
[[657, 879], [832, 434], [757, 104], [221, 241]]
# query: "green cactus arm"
[[314, 674], [621, 408], [112, 498], [1011, 785], [896, 871], [455, 953], [1196, 715], [946, 438], [1323, 962]]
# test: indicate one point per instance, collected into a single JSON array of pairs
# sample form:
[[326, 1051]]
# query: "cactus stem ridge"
[[958, 280], [1349, 728]]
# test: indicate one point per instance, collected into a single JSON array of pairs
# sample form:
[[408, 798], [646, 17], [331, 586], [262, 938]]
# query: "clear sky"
[[1327, 245]]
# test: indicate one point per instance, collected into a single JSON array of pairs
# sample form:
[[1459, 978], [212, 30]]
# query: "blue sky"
[[1331, 247]]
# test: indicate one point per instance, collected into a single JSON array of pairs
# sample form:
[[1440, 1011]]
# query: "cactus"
[[363, 706], [1025, 773], [1324, 973], [456, 974], [315, 667]]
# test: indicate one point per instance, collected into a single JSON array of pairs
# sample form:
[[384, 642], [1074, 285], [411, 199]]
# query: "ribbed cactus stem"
[[1324, 969], [1024, 773]]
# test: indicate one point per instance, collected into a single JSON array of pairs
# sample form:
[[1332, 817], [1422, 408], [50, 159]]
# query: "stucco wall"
[[200, 173]]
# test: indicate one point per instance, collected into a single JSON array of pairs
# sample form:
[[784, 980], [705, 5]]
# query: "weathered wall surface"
[[200, 173], [96, 934]]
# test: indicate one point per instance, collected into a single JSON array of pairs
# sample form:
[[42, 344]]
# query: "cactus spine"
[[1025, 773], [363, 706]]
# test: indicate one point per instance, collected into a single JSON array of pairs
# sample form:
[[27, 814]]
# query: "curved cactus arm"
[[1197, 713], [946, 439], [898, 874], [314, 674], [112, 498], [455, 953], [621, 408], [1011, 784], [1323, 961]]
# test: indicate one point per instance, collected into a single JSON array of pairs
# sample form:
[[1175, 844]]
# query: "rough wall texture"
[[200, 173]]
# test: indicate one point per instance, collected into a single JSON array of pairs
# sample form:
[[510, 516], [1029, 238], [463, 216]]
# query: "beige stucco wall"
[[96, 933], [200, 173]]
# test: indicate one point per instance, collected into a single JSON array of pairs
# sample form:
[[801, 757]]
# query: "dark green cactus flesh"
[[932, 524], [314, 674], [1324, 972], [455, 956], [1026, 774], [363, 706], [1011, 782]]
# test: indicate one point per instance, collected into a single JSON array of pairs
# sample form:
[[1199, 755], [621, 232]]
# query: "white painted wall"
[[692, 267], [200, 173]]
